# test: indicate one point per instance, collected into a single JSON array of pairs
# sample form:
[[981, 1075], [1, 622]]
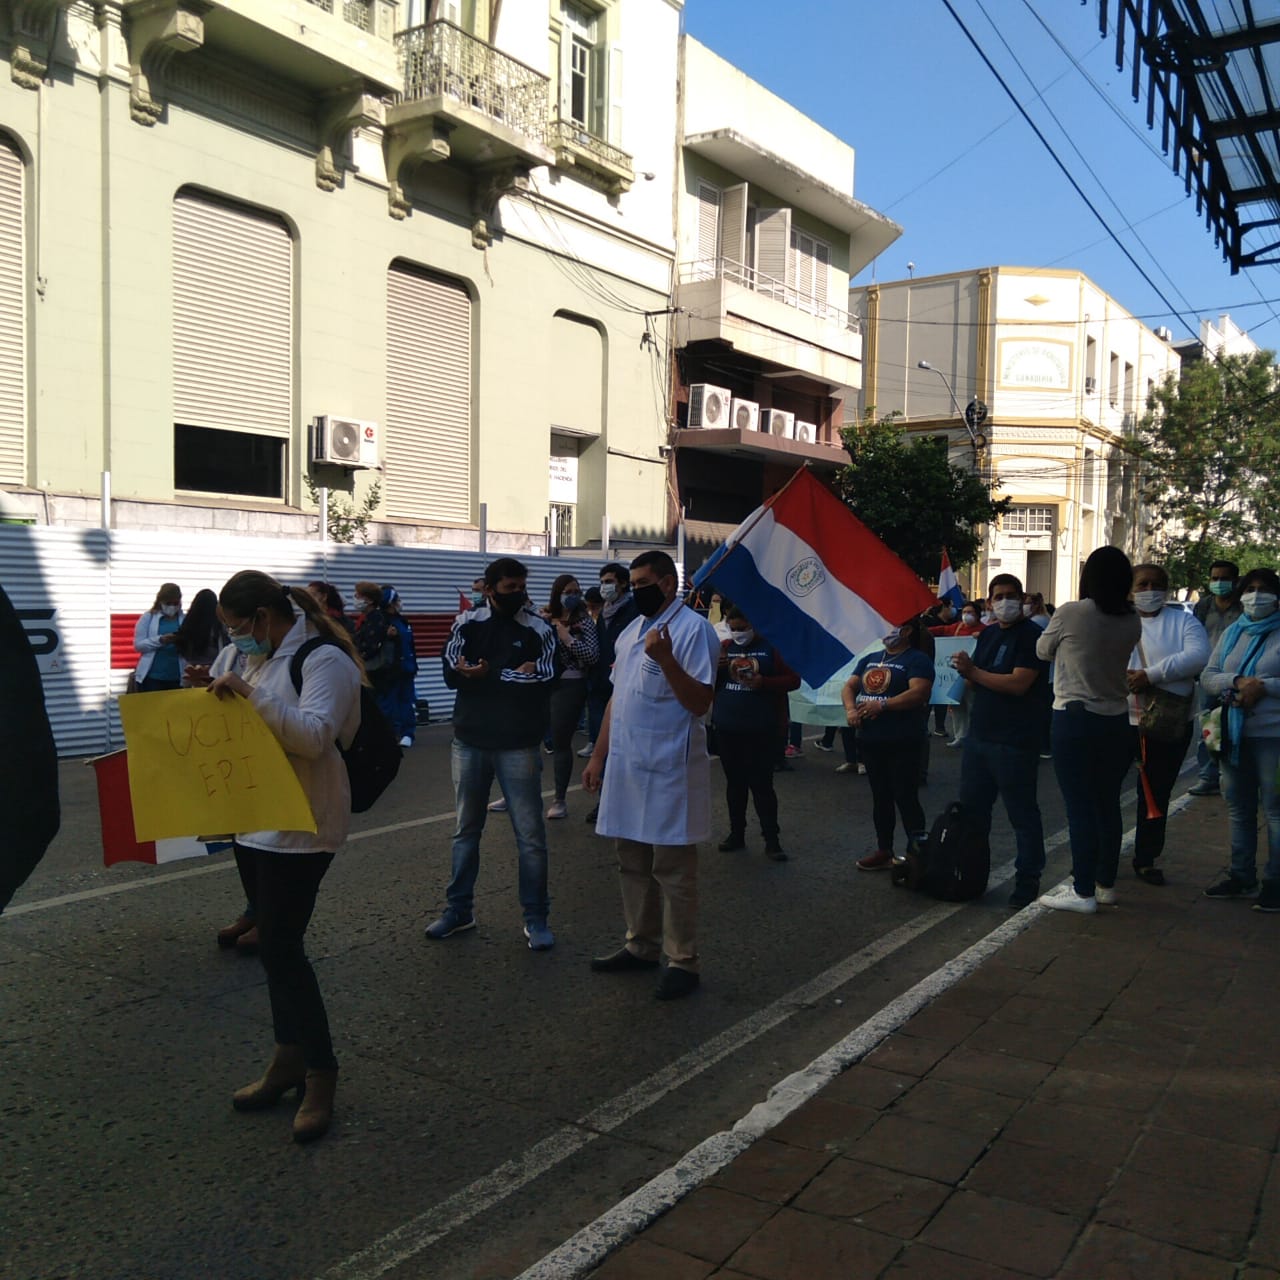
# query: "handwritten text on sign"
[[199, 764]]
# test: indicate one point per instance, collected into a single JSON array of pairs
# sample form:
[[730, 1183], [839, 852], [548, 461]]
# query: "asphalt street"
[[492, 1100]]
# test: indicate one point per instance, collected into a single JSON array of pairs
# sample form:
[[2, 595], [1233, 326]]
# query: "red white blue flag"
[[948, 583], [813, 579], [120, 841]]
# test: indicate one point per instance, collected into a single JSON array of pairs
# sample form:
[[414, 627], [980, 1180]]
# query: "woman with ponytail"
[[281, 870]]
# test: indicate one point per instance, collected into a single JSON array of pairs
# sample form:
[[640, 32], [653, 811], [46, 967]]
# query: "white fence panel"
[[67, 584]]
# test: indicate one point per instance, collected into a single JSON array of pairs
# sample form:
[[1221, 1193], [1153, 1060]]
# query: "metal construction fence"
[[79, 592]]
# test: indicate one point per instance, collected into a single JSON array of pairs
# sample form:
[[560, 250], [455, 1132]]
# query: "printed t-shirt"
[[885, 676], [742, 710]]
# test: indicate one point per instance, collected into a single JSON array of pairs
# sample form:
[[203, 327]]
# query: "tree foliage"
[[1211, 476], [347, 520], [910, 496]]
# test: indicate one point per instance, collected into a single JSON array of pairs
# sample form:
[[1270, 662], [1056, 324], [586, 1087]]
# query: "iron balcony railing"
[[570, 133], [441, 60], [357, 12], [768, 286]]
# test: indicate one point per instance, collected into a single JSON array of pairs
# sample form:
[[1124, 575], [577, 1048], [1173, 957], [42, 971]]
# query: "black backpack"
[[953, 862], [373, 758]]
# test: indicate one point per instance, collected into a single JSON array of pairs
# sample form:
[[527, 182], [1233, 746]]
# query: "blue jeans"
[[1091, 756], [1244, 784], [990, 769], [519, 774]]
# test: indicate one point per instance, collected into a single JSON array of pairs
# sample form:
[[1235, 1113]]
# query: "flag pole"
[[730, 548]]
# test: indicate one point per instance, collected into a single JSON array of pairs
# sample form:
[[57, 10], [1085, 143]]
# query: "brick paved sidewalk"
[[1098, 1101]]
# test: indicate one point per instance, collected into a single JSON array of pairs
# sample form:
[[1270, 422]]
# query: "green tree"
[[1210, 445], [910, 496], [347, 520]]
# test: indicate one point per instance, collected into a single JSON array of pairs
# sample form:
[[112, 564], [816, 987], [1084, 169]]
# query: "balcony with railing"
[[774, 320], [359, 13], [577, 147], [463, 99]]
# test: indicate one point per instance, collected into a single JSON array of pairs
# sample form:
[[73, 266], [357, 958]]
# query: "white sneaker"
[[558, 809], [1106, 897], [862, 769], [497, 806], [1065, 898], [585, 753], [406, 741]]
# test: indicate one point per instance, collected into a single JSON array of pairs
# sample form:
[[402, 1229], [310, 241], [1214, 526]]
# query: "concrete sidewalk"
[[1099, 1100]]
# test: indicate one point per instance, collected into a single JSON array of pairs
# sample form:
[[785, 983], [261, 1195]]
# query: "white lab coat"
[[657, 782], [146, 641]]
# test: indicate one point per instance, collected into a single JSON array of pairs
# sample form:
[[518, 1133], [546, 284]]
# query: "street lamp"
[[974, 438]]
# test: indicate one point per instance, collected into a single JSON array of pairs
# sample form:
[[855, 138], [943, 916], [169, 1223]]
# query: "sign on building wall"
[[1035, 364], [564, 480]]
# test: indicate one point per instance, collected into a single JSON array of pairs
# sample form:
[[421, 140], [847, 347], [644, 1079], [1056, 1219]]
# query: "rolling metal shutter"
[[428, 451], [232, 318], [13, 336]]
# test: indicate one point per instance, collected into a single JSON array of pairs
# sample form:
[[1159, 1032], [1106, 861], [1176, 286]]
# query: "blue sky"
[[942, 150]]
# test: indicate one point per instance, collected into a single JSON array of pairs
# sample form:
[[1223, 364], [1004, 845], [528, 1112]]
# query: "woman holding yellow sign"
[[268, 623]]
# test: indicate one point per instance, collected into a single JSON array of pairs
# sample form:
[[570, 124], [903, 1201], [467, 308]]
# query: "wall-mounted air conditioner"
[[344, 442], [1090, 386], [778, 423], [745, 415], [806, 432], [708, 406]]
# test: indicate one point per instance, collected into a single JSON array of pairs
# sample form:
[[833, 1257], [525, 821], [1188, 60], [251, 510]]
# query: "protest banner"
[[948, 687], [199, 763]]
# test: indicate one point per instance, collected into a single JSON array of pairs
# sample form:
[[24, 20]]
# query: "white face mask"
[[169, 610], [970, 619], [1026, 610], [1258, 604], [744, 637], [1149, 601], [1009, 610], [608, 590], [987, 617], [893, 639]]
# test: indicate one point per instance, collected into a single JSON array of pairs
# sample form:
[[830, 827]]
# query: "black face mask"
[[508, 603], [649, 599]]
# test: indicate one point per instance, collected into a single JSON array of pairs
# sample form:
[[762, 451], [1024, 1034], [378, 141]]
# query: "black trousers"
[[748, 766], [567, 701], [893, 770], [286, 886], [1164, 760]]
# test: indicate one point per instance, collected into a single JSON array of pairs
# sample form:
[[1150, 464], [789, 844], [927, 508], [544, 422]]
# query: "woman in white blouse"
[[1166, 661]]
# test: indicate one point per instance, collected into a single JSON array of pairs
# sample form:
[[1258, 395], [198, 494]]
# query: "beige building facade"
[[1063, 372], [251, 246]]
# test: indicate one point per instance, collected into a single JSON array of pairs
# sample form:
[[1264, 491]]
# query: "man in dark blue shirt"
[[1001, 753]]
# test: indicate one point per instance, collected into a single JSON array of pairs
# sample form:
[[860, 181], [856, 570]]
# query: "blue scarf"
[[1257, 630]]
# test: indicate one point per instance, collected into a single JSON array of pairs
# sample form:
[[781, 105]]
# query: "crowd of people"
[[1108, 680]]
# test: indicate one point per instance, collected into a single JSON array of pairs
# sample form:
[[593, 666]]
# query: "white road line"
[[224, 864], [586, 1249], [589, 1247]]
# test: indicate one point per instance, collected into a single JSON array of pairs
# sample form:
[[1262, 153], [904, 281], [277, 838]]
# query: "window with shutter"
[[775, 266], [232, 347], [428, 450], [708, 229], [13, 335], [733, 230]]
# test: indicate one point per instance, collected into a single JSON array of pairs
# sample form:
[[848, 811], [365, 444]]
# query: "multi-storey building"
[[1063, 373], [437, 227], [768, 235]]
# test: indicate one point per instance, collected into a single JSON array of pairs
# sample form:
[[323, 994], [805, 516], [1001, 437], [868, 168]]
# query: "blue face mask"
[[570, 603], [1223, 587], [250, 647]]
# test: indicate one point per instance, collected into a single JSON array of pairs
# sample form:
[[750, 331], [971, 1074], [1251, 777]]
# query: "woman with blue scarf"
[[1244, 676]]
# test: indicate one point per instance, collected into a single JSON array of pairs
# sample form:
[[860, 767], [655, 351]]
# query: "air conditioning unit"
[[807, 432], [745, 415], [778, 423], [1090, 386], [345, 442], [708, 406]]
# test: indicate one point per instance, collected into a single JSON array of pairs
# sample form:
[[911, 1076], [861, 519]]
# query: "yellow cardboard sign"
[[201, 763]]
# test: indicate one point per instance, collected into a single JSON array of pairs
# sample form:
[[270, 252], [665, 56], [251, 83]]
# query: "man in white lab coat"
[[656, 797]]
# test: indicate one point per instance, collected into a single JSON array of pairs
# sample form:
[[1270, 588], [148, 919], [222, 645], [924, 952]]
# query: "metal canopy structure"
[[1212, 71]]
